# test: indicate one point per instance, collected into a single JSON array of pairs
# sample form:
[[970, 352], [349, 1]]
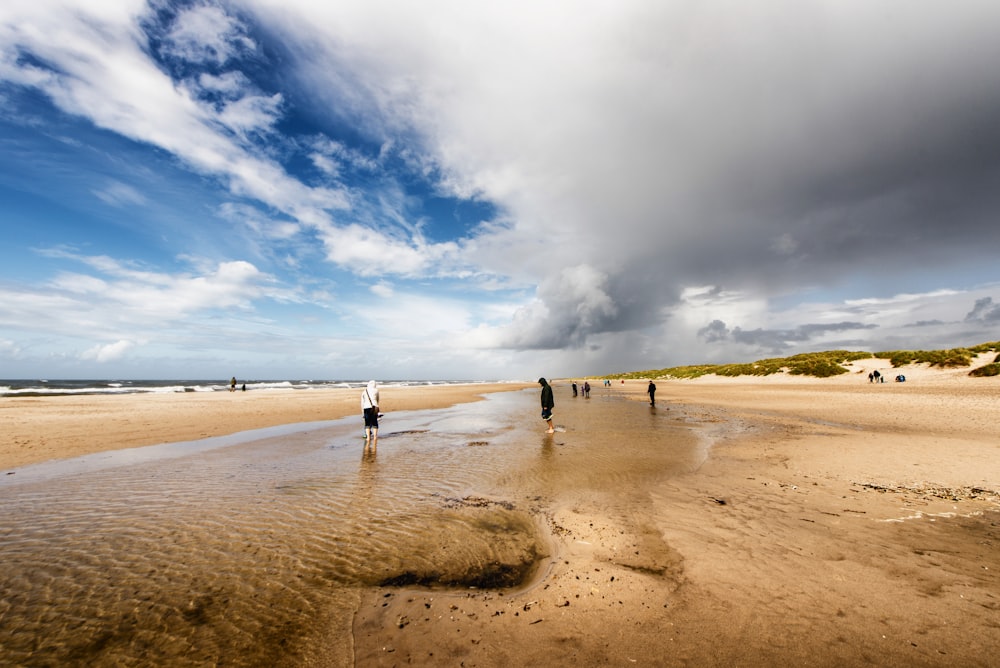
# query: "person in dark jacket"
[[548, 403], [651, 391]]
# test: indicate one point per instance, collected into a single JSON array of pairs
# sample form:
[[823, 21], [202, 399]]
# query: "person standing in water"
[[651, 391], [548, 403], [369, 406]]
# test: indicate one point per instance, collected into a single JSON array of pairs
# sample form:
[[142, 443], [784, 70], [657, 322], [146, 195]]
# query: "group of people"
[[549, 403], [370, 402], [876, 377]]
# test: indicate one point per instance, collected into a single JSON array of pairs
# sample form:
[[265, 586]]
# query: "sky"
[[452, 189]]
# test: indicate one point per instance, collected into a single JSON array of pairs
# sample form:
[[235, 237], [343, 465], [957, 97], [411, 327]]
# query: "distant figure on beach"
[[244, 387], [586, 389], [548, 403], [651, 391], [232, 384], [369, 406], [574, 388], [871, 377], [877, 375]]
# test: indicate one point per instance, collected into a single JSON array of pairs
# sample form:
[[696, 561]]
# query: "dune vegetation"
[[830, 363]]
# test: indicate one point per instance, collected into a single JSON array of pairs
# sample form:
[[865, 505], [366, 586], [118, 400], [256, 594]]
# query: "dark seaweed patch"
[[494, 575]]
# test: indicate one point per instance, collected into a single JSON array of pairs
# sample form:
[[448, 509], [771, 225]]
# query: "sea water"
[[43, 387]]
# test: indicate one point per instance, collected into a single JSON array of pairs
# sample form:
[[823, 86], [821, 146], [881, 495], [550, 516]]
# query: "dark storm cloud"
[[774, 341], [715, 332], [809, 153], [759, 147], [985, 311]]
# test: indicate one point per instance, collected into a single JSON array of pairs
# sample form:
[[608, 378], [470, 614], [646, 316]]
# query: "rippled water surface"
[[255, 552]]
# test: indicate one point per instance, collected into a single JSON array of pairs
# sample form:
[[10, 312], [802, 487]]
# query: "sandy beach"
[[830, 522], [834, 523]]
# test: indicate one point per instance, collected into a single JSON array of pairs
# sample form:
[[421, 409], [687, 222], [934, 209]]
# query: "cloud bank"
[[581, 187]]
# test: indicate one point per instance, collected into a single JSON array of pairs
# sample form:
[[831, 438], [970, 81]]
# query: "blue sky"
[[461, 190]]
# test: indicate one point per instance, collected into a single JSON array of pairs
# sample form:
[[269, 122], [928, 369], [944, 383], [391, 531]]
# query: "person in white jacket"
[[369, 406]]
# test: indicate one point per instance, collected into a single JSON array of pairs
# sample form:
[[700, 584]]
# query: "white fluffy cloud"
[[108, 353], [115, 295], [102, 72], [204, 33]]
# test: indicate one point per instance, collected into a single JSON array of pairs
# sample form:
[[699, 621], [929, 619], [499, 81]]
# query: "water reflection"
[[367, 477]]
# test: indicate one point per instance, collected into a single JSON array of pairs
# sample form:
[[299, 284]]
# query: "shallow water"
[[256, 552]]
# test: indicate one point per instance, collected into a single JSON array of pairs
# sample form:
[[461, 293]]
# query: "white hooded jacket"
[[369, 398]]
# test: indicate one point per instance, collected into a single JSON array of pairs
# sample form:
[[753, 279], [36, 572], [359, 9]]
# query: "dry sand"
[[833, 523]]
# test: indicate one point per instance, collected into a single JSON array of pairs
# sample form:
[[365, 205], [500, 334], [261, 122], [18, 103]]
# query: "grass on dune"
[[829, 363]]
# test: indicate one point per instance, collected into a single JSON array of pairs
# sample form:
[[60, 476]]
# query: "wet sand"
[[260, 552], [741, 522], [37, 429]]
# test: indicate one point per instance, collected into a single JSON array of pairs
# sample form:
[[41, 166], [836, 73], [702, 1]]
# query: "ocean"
[[37, 388]]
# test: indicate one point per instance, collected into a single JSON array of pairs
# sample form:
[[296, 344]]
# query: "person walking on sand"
[[548, 403], [369, 406], [232, 384], [651, 391]]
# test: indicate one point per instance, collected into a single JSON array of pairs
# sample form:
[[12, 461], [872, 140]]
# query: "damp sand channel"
[[258, 550]]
